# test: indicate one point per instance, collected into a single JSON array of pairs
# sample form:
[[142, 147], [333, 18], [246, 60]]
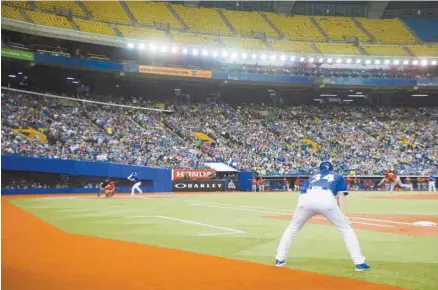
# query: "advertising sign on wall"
[[175, 71], [192, 173], [197, 185]]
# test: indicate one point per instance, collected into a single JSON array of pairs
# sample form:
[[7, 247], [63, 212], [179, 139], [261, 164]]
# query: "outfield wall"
[[153, 179]]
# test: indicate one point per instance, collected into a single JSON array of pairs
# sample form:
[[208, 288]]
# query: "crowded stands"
[[267, 139]]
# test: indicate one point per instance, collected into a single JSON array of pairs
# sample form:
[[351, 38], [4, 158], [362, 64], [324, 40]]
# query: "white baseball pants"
[[136, 187], [254, 188], [400, 184], [320, 202], [432, 186]]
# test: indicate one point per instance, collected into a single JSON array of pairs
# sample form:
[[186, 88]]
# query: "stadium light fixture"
[[358, 61], [273, 57], [163, 48], [424, 62], [75, 82], [327, 95], [234, 54], [185, 50], [244, 55], [153, 47], [339, 60], [321, 59], [215, 54], [12, 76], [377, 61], [141, 46], [130, 45], [357, 96], [205, 52], [195, 51], [174, 49], [330, 60], [405, 62], [434, 62], [396, 62], [292, 58], [317, 100], [224, 53], [420, 95], [263, 56], [415, 62], [282, 57], [347, 100], [311, 59], [302, 59], [387, 61], [69, 78], [254, 56], [368, 61], [20, 73]]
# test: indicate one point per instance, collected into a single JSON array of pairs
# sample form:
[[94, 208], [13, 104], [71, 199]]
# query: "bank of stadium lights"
[[195, 51], [152, 47], [224, 53], [141, 46], [282, 57], [424, 62], [302, 59], [130, 45], [377, 61], [311, 59], [358, 61], [330, 60], [415, 62], [321, 59], [204, 52], [292, 58], [244, 55], [215, 54], [349, 60], [434, 62], [339, 60], [396, 62], [254, 56], [174, 49], [273, 57], [368, 61], [163, 49], [234, 54], [263, 56], [406, 62]]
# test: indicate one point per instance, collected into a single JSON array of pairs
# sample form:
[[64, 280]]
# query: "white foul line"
[[231, 231]]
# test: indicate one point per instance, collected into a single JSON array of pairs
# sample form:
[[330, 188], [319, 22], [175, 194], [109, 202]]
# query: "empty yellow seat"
[[337, 28], [94, 27], [12, 13], [107, 11], [18, 4], [202, 20], [289, 46], [384, 50], [194, 39], [48, 19], [149, 13], [142, 33], [296, 27], [337, 48], [71, 6], [249, 23], [242, 43], [388, 30], [424, 50]]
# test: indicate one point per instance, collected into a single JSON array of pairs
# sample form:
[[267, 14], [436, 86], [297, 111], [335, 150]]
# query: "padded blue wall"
[[162, 178]]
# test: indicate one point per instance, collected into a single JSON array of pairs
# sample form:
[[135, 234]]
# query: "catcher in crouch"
[[393, 181], [110, 189]]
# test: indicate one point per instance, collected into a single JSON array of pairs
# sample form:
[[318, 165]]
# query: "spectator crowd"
[[266, 139]]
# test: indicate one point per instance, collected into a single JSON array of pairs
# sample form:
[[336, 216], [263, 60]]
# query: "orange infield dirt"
[[386, 223], [418, 196], [36, 255]]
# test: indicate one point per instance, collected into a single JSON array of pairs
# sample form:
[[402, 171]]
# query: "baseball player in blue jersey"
[[432, 183], [133, 177], [323, 194]]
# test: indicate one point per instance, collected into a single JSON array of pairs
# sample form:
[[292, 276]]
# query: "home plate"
[[425, 224]]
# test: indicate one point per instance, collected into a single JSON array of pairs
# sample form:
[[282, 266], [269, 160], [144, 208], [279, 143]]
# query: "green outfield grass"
[[235, 226]]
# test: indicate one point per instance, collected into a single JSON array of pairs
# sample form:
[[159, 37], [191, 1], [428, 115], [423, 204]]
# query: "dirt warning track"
[[36, 255]]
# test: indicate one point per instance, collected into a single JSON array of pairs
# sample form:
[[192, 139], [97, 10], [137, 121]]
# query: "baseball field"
[[212, 241]]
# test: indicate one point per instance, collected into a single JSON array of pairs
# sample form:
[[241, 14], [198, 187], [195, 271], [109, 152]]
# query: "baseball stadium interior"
[[218, 96]]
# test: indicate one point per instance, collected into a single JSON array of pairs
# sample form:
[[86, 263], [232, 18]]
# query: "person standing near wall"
[[432, 183]]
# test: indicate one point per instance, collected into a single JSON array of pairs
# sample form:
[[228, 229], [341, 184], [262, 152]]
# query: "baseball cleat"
[[280, 263], [361, 267]]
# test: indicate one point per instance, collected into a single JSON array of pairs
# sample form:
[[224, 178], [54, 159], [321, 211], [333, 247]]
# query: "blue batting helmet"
[[326, 165]]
